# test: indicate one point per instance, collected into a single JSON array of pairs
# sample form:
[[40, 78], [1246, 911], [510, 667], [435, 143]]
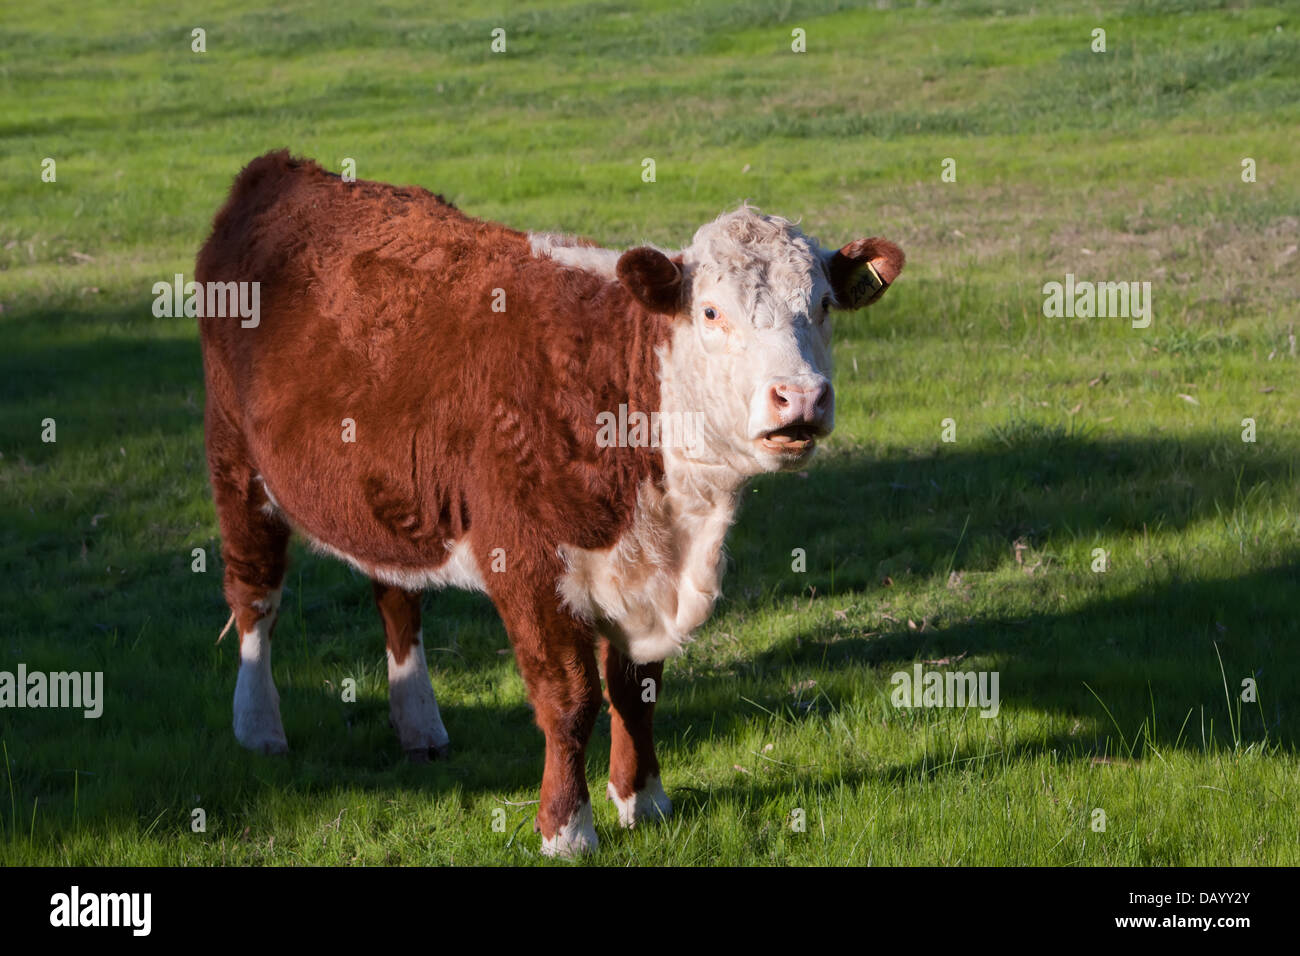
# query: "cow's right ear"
[[653, 279], [862, 271]]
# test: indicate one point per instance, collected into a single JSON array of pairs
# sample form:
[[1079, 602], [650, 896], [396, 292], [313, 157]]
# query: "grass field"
[[1120, 691]]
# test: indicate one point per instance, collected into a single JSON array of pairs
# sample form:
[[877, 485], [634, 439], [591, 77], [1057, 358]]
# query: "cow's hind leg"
[[413, 706], [254, 542], [634, 784]]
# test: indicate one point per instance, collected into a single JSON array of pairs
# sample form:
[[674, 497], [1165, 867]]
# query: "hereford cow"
[[443, 401]]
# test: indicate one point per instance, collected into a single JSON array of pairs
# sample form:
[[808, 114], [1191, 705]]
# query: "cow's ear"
[[653, 279], [862, 271]]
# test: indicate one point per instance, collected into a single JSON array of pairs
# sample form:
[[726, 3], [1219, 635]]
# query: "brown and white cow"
[[478, 369]]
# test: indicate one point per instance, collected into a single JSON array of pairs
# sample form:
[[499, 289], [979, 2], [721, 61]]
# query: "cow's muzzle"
[[801, 414]]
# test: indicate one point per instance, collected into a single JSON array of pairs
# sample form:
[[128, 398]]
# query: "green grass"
[[1119, 689]]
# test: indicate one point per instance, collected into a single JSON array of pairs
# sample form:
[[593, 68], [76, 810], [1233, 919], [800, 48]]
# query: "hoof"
[[268, 745], [426, 754], [261, 731]]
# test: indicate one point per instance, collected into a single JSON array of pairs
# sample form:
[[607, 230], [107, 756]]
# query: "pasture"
[[1120, 689]]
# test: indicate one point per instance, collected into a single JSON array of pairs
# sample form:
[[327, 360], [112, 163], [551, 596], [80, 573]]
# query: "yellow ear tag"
[[864, 284]]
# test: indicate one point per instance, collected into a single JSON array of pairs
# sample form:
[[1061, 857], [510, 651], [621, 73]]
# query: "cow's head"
[[750, 354]]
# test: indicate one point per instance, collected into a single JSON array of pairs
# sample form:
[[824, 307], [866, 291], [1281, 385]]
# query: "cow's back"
[[380, 394]]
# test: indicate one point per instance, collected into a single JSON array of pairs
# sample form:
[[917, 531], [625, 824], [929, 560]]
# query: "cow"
[[444, 401]]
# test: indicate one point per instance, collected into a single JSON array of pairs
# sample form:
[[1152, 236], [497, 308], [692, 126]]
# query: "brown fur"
[[653, 278], [470, 424]]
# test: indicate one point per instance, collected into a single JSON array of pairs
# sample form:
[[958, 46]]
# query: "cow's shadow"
[[1149, 631]]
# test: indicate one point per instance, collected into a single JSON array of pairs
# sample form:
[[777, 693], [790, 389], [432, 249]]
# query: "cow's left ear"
[[653, 279], [862, 271]]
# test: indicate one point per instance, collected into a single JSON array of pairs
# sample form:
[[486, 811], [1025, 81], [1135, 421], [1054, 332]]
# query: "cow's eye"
[[710, 313], [826, 302]]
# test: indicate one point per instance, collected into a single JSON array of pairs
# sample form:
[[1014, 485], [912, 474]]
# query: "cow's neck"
[[660, 580], [701, 507]]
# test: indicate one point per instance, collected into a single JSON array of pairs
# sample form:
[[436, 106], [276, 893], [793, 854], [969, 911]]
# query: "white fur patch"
[[412, 703], [650, 804], [768, 269], [272, 507], [659, 581], [576, 837], [257, 704], [460, 570], [566, 251]]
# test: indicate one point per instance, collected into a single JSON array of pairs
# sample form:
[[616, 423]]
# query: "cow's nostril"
[[778, 397], [823, 398]]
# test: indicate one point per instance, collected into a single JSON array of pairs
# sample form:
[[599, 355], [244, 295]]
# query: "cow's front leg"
[[557, 657], [634, 784]]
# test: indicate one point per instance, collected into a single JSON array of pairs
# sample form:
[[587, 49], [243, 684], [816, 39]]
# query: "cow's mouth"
[[792, 440]]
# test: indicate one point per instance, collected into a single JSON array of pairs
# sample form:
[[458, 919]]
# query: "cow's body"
[[470, 365]]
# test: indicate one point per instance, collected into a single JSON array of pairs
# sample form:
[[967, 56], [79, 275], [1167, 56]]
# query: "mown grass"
[[1120, 690]]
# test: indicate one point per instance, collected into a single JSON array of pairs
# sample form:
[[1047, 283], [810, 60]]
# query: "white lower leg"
[[413, 705], [257, 704], [650, 804], [576, 837]]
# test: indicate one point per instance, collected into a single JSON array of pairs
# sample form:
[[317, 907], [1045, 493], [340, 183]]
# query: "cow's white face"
[[757, 300], [750, 356]]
